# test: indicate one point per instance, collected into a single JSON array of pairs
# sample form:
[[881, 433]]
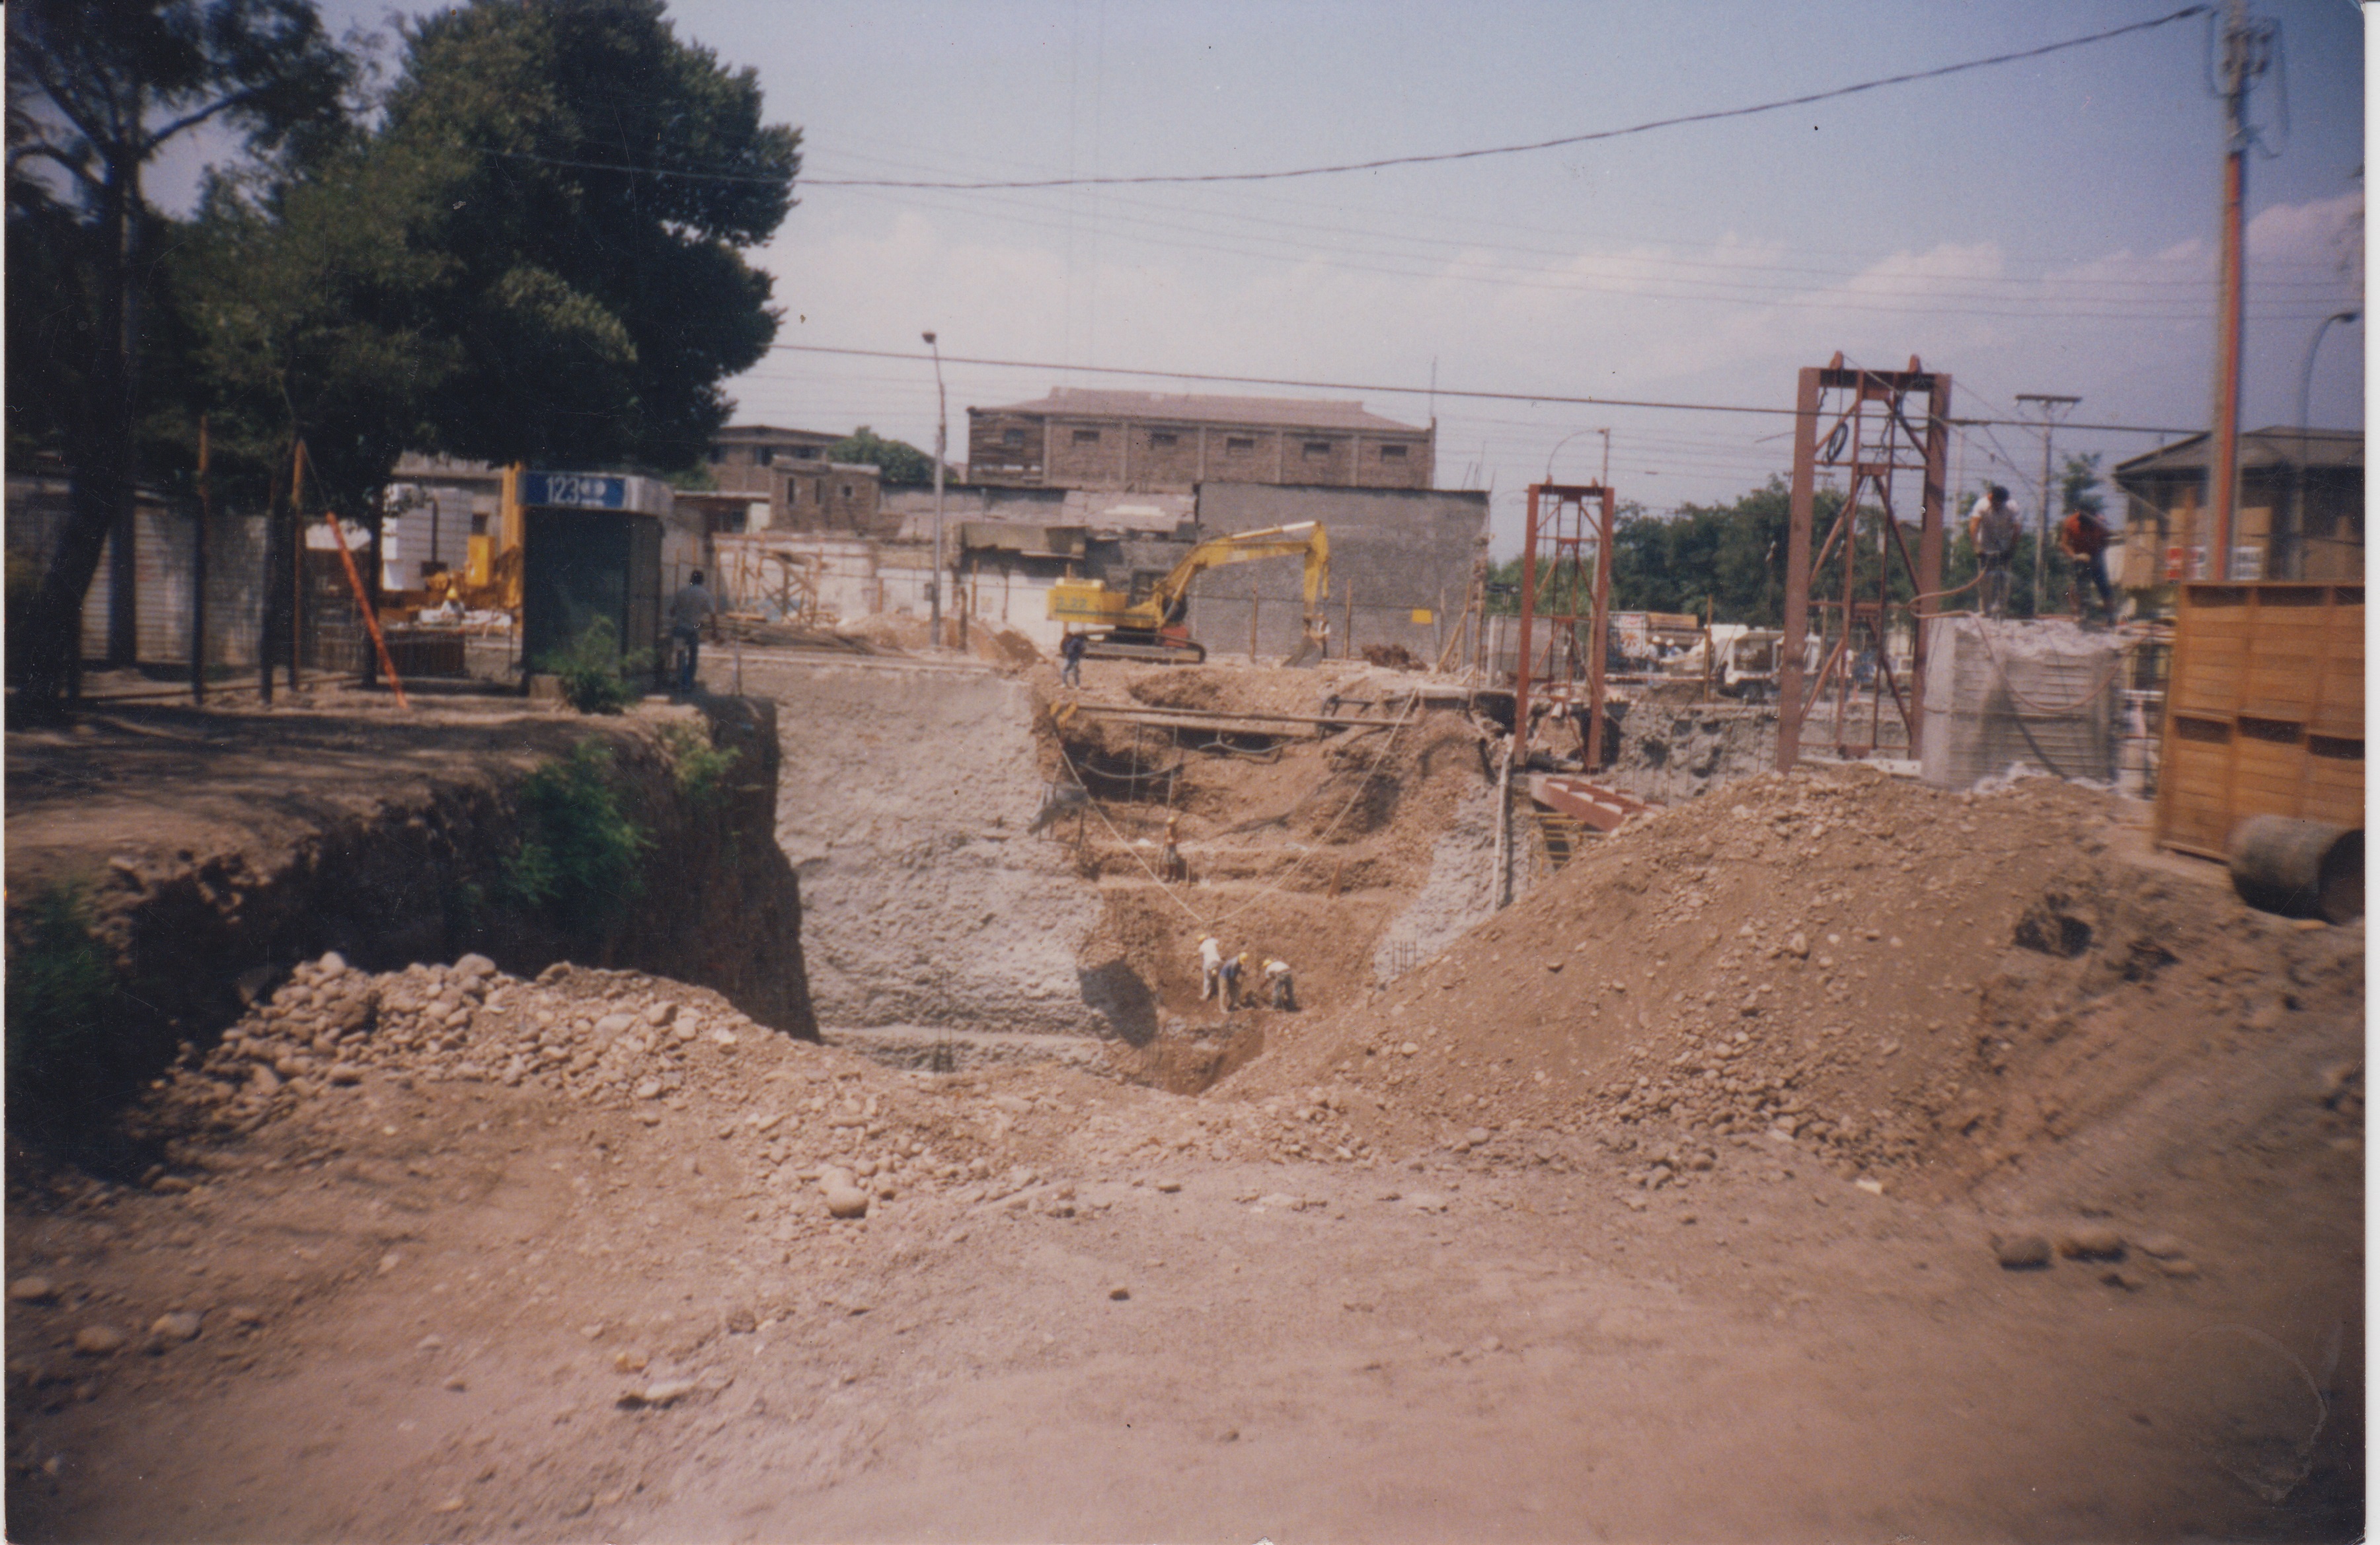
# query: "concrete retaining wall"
[[1997, 693]]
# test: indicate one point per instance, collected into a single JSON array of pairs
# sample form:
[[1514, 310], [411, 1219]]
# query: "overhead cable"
[[1383, 163], [1404, 390]]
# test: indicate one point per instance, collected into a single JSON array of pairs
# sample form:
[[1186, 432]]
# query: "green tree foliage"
[[589, 184], [903, 465], [577, 861], [96, 87]]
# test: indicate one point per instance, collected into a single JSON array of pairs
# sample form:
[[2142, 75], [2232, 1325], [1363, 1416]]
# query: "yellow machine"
[[491, 577], [1147, 623]]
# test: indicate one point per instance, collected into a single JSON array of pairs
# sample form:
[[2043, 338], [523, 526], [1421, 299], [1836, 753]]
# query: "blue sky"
[[2041, 226]]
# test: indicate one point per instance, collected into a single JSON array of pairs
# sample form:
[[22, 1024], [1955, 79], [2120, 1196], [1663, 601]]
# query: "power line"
[[1403, 391], [1383, 163]]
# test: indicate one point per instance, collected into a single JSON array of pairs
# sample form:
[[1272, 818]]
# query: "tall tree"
[[902, 464], [95, 88], [596, 181]]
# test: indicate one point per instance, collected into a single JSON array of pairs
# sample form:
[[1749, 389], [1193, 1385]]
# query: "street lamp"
[[1573, 435], [941, 449], [2291, 558]]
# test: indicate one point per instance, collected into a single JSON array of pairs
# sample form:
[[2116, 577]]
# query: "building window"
[[806, 454], [1316, 450], [1013, 439], [1163, 437], [718, 455], [1087, 437], [1392, 453], [1239, 445], [847, 490], [763, 455]]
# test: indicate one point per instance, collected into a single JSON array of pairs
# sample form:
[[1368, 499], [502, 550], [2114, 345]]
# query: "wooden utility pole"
[[198, 574], [2247, 53], [2051, 407]]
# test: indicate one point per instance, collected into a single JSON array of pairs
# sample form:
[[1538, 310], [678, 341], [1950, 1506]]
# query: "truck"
[[1145, 622]]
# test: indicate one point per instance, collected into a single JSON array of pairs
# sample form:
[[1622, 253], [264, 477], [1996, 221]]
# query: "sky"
[[2043, 226]]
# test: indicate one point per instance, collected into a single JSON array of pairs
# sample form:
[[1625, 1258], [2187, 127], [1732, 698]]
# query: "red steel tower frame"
[[1867, 432], [1567, 524]]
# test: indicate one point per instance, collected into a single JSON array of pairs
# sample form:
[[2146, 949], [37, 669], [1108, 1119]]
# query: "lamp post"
[[941, 447], [2291, 558], [1573, 435]]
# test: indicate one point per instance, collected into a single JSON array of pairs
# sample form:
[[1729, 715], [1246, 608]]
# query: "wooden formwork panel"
[[2264, 710]]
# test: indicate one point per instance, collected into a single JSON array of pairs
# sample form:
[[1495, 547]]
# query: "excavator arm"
[[1305, 538]]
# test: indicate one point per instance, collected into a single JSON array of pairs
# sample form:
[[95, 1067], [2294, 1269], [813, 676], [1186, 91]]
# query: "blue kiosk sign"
[[574, 490]]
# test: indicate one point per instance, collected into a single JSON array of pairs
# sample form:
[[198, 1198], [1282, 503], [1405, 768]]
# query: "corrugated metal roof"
[[1298, 412], [2277, 445]]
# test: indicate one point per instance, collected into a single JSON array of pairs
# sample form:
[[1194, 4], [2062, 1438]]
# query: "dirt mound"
[[1896, 980]]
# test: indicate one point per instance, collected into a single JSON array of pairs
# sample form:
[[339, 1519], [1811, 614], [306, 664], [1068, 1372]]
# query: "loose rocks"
[[99, 1341]]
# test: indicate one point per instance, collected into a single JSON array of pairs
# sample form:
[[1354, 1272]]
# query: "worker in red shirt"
[[2083, 538]]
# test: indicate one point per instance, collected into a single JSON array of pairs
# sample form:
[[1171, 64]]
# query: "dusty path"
[[455, 1285]]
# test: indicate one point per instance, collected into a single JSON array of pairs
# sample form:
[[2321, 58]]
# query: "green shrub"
[[62, 1008], [577, 859], [700, 766], [594, 675]]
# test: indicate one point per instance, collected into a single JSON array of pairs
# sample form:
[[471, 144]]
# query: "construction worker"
[[1234, 966], [1993, 527], [1070, 655], [2082, 536], [1170, 867], [1210, 966], [1284, 989]]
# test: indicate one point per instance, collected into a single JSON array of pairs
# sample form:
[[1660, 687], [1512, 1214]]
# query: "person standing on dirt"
[[2084, 538], [1993, 528], [1070, 653], [1234, 966], [690, 609], [1210, 966], [1170, 867], [1284, 988]]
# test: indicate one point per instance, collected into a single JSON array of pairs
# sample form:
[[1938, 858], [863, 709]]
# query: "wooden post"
[[198, 575], [296, 559], [1253, 598], [1348, 650]]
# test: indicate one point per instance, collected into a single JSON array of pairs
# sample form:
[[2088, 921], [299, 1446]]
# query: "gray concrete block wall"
[[1392, 552], [2043, 694], [162, 549]]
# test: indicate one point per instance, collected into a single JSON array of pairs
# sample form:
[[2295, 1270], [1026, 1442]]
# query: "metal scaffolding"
[[1858, 421], [1563, 567]]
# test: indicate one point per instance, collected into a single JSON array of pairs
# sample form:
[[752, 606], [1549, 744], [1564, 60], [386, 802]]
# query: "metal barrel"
[[2297, 868]]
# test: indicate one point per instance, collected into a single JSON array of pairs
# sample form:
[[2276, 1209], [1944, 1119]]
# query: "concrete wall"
[[1393, 553], [163, 543], [856, 577], [2046, 693]]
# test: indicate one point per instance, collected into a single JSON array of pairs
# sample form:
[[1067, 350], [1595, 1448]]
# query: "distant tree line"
[[1732, 557], [525, 241]]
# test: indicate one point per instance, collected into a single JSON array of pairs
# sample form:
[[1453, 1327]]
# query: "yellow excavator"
[[1146, 623]]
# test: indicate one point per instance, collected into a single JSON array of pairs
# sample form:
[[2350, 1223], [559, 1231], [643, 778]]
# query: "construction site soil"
[[1824, 1158]]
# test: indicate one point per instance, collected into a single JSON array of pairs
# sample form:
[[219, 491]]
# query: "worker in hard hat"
[[1210, 966], [1236, 971], [1170, 867], [1282, 984]]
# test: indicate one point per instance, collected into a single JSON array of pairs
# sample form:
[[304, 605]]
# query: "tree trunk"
[[100, 501]]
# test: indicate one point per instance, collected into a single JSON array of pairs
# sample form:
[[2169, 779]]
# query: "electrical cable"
[[1475, 394], [1383, 163]]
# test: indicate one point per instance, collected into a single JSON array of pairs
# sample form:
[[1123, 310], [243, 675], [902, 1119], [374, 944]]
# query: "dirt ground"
[[1670, 1204]]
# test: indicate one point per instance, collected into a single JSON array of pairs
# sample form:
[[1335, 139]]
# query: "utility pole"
[[2051, 407], [941, 449], [2247, 53]]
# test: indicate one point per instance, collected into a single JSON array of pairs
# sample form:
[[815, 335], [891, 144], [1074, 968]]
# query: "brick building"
[[789, 484], [1078, 438]]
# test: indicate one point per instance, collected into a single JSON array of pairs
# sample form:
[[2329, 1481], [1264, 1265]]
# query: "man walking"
[[690, 610], [1993, 528], [1070, 653]]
